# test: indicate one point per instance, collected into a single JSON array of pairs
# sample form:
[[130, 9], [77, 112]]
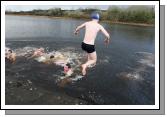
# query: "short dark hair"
[[51, 56], [68, 64], [10, 51]]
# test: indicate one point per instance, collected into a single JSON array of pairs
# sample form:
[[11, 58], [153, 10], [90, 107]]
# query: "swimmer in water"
[[40, 55], [10, 55], [68, 71], [38, 52], [91, 29], [59, 60], [50, 60]]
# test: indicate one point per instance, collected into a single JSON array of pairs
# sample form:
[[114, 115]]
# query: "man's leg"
[[88, 56], [92, 60]]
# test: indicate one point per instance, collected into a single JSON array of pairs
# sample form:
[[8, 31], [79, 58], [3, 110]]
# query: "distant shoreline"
[[54, 17]]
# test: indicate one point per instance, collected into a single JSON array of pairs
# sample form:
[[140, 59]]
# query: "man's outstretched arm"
[[79, 27]]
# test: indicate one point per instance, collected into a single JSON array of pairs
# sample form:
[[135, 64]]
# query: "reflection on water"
[[124, 73]]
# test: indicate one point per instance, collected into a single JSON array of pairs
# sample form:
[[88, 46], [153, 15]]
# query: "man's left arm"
[[107, 39]]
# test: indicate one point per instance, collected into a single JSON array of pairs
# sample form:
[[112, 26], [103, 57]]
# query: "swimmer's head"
[[51, 56], [41, 49], [10, 51], [95, 16], [68, 65]]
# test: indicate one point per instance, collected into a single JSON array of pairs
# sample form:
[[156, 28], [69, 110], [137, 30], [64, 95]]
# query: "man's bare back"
[[91, 30]]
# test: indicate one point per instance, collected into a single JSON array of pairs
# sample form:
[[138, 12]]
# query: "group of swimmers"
[[41, 56]]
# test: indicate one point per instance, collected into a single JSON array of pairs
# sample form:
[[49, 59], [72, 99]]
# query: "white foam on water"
[[24, 51], [130, 76], [73, 57], [77, 77], [40, 59], [147, 59], [70, 56], [134, 75], [145, 53], [62, 77], [105, 60], [75, 60], [147, 62]]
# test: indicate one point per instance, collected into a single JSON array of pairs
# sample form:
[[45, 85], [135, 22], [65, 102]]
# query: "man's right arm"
[[79, 27]]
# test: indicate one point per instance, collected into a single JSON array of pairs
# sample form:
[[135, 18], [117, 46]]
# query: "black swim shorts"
[[88, 48]]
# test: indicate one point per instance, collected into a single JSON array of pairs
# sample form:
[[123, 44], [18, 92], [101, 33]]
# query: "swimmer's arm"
[[32, 56], [79, 27], [107, 39], [14, 57]]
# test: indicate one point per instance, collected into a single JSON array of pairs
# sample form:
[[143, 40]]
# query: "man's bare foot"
[[83, 69]]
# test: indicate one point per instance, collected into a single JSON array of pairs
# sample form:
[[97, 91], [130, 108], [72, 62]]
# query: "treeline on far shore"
[[131, 14]]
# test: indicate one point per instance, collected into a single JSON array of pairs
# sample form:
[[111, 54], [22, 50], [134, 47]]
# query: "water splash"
[[75, 59], [26, 51], [130, 76], [77, 77], [106, 59], [146, 60]]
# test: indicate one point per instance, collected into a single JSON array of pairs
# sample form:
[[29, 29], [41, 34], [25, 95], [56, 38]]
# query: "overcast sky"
[[31, 7]]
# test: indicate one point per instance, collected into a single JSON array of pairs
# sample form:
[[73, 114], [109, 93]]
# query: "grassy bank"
[[108, 21], [135, 14]]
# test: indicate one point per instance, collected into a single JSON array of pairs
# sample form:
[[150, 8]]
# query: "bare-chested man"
[[91, 29]]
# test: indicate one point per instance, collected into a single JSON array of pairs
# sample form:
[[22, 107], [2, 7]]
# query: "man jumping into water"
[[91, 29]]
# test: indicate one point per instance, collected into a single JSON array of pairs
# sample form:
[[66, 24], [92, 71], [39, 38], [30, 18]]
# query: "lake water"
[[124, 74]]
